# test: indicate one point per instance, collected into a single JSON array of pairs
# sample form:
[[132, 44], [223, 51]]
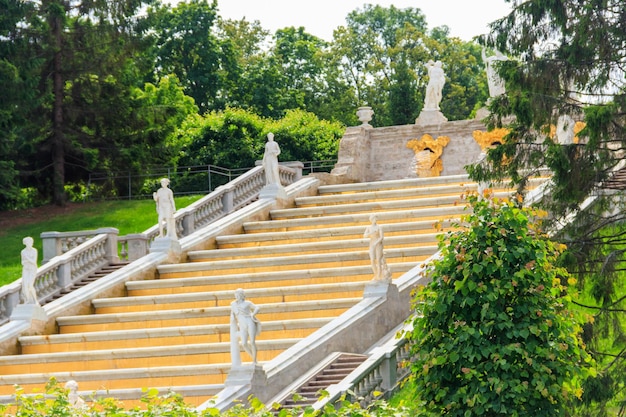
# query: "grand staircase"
[[304, 267]]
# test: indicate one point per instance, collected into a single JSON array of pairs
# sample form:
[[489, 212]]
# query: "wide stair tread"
[[146, 335], [187, 313], [302, 261], [385, 195], [422, 217], [376, 206], [250, 280], [394, 184], [283, 241], [225, 297]]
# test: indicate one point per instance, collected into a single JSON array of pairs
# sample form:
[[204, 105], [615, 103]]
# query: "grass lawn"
[[134, 216]]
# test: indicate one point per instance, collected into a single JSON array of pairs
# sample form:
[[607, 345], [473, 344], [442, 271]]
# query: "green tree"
[[242, 42], [296, 72], [567, 62], [76, 51], [13, 79], [492, 335], [236, 138], [187, 46], [382, 52]]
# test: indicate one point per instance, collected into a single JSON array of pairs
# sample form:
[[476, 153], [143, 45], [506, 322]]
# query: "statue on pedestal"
[[28, 295], [494, 81], [270, 161], [434, 89], [243, 318], [165, 208], [377, 257], [431, 113]]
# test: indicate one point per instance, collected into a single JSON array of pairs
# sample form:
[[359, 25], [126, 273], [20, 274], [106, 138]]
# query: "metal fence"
[[184, 180]]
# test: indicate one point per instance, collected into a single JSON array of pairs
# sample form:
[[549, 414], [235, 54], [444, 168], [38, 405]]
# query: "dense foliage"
[[492, 335], [102, 87], [56, 402], [567, 63]]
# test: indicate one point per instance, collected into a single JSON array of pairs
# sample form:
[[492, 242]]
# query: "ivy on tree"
[[492, 335]]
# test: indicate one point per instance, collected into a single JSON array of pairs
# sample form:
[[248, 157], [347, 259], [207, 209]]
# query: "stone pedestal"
[[29, 312], [274, 191], [379, 288], [247, 374], [169, 246], [481, 113], [430, 117]]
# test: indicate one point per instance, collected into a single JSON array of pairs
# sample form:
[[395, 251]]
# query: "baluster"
[[123, 250]]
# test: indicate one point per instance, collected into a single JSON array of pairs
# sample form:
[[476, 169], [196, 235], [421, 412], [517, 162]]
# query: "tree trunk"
[[58, 139]]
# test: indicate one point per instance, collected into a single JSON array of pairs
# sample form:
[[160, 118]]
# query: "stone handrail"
[[238, 193], [61, 272], [69, 257], [379, 375]]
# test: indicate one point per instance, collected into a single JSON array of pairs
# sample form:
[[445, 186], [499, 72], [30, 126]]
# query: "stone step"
[[110, 379], [368, 207], [206, 299], [425, 216], [290, 263], [243, 246], [374, 206], [94, 276], [385, 195], [394, 184], [201, 316], [462, 180], [262, 244], [153, 356], [164, 336], [333, 373], [260, 280], [293, 230]]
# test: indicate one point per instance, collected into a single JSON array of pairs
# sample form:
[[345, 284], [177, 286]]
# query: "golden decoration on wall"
[[578, 126], [490, 139], [427, 155]]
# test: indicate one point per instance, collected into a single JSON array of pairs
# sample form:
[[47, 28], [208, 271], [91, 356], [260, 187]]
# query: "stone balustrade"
[[224, 200], [381, 373], [69, 257], [63, 271]]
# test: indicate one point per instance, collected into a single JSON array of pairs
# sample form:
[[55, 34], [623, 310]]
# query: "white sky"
[[465, 18]]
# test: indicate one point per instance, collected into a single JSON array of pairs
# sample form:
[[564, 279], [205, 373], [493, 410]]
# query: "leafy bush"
[[55, 402], [492, 335], [235, 138]]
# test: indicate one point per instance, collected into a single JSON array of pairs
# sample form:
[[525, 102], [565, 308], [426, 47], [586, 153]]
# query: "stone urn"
[[365, 115]]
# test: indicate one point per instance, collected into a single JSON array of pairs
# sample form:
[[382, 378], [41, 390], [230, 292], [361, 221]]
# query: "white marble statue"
[[243, 315], [377, 257], [28, 295], [165, 208], [434, 89], [270, 160], [72, 396], [565, 129], [494, 81]]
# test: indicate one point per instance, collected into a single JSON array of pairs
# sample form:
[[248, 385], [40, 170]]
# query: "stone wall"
[[377, 154]]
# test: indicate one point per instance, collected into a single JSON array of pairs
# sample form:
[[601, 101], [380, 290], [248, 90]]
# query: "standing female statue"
[[270, 160], [165, 207], [28, 294]]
